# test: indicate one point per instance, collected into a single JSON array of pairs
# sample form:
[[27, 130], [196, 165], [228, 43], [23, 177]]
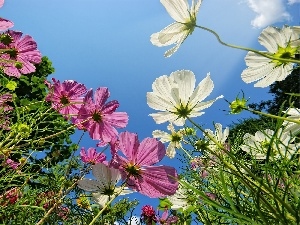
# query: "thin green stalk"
[[107, 204], [248, 49], [272, 116], [269, 190]]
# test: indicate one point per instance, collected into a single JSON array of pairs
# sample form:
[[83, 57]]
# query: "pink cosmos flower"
[[167, 219], [101, 117], [12, 164], [4, 23], [91, 156], [3, 102], [138, 169], [66, 97], [22, 54]]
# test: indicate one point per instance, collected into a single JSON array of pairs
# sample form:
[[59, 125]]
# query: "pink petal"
[[150, 152], [5, 24], [116, 119], [12, 71], [26, 44], [129, 144], [158, 181], [1, 3], [110, 107], [101, 95]]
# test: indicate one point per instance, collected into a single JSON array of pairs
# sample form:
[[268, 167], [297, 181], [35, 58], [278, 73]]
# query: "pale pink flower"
[[4, 23], [22, 54], [167, 219], [66, 97], [91, 156], [101, 118], [3, 102], [12, 164], [137, 166]]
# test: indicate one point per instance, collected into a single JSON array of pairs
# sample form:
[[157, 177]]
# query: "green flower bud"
[[6, 39], [189, 131], [18, 65], [238, 105], [23, 129], [201, 144], [11, 85]]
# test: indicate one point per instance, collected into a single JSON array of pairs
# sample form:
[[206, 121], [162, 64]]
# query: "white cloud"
[[291, 2], [268, 12]]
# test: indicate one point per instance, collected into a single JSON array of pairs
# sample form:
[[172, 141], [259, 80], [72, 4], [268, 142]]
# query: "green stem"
[[185, 151], [107, 204], [248, 49], [267, 189], [272, 116]]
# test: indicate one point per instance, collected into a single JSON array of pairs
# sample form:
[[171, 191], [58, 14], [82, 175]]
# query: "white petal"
[[100, 199], [203, 90], [269, 38], [105, 175], [171, 51], [253, 59], [164, 136], [178, 9], [90, 185], [171, 34], [157, 102], [204, 105], [162, 117], [170, 152], [186, 84]]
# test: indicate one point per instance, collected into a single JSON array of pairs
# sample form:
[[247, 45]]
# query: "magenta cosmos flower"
[[20, 56], [101, 118], [4, 23], [138, 169], [91, 156], [66, 97]]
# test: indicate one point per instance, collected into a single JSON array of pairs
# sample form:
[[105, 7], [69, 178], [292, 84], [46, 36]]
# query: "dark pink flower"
[[91, 156], [138, 169], [66, 97], [148, 215], [211, 195], [22, 54], [4, 23], [62, 212], [101, 117], [11, 196]]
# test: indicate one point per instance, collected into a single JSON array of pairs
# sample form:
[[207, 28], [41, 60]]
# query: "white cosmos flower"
[[279, 144], [104, 187], [178, 31], [219, 135], [290, 127], [279, 43], [175, 138], [177, 98], [179, 200]]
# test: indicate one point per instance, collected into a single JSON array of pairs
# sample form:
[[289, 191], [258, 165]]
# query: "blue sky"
[[107, 43]]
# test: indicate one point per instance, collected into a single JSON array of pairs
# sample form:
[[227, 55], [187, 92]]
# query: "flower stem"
[[260, 184], [272, 116], [107, 204], [248, 49]]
